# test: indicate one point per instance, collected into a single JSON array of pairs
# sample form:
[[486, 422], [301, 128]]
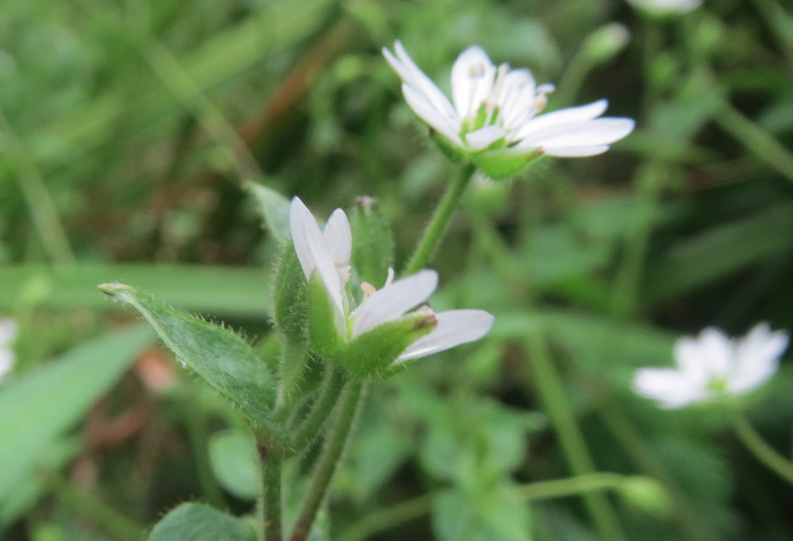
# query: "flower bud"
[[372, 241], [646, 494], [605, 43]]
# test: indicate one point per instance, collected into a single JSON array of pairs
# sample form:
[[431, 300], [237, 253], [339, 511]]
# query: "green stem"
[[320, 410], [328, 460], [97, 512], [762, 451], [440, 221], [543, 490], [570, 437], [37, 197], [272, 521], [757, 140], [572, 486]]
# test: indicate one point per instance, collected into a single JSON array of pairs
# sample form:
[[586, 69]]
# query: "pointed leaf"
[[232, 455], [274, 208], [221, 357], [200, 522]]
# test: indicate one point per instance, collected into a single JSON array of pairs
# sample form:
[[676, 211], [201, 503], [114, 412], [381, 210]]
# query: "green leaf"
[[274, 208], [200, 522], [215, 290], [232, 455], [290, 302], [221, 357], [37, 408]]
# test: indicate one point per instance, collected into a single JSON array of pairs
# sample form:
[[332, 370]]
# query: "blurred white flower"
[[327, 253], [713, 366], [494, 121], [8, 334], [665, 7]]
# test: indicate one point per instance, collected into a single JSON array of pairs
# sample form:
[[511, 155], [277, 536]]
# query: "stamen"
[[390, 277], [368, 289], [336, 261]]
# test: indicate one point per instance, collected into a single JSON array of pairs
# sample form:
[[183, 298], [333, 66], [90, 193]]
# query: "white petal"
[[564, 116], [455, 327], [575, 152], [472, 80], [717, 352], [484, 137], [690, 359], [671, 388], [313, 252], [424, 84], [391, 302], [338, 236], [756, 358], [431, 116], [516, 102], [599, 131], [8, 331]]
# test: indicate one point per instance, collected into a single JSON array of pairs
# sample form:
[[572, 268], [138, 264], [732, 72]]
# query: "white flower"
[[327, 253], [495, 111], [665, 7], [713, 366], [8, 334]]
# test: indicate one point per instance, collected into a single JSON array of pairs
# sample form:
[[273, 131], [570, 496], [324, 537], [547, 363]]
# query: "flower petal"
[[472, 80], [671, 388], [484, 137], [756, 358], [564, 116], [419, 80], [716, 352], [391, 302], [575, 152], [455, 327], [517, 98], [312, 250], [431, 116], [338, 236], [599, 131]]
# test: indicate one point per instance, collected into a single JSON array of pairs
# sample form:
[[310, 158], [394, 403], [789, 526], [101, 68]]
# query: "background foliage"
[[127, 129]]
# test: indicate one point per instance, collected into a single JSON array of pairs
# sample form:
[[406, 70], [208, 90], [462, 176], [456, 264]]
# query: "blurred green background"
[[127, 128]]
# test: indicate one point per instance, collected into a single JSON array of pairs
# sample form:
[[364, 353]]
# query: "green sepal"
[[322, 331], [372, 242], [504, 163], [221, 357], [274, 209], [372, 355], [449, 149], [290, 301]]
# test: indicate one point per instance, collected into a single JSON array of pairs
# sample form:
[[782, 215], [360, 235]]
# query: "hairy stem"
[[440, 221], [271, 496], [320, 410], [328, 460]]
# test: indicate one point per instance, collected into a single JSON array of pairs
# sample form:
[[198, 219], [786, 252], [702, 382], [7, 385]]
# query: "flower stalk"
[[328, 460], [761, 450], [272, 512], [440, 221]]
